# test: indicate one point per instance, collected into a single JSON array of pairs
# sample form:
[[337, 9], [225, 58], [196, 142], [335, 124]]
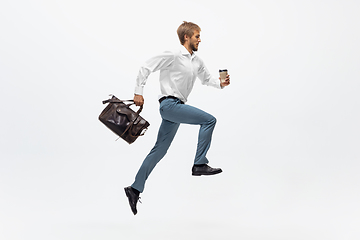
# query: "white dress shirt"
[[178, 72]]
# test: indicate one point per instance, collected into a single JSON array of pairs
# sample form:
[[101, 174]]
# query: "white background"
[[287, 136]]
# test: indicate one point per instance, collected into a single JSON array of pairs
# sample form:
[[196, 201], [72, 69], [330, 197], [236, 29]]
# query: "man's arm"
[[207, 79], [152, 65]]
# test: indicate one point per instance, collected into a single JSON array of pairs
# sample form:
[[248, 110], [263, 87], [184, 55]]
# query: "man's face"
[[195, 40]]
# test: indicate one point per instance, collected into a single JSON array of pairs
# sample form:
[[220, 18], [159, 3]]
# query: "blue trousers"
[[173, 113]]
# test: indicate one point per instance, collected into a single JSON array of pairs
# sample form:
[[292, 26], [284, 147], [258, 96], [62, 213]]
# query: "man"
[[178, 72]]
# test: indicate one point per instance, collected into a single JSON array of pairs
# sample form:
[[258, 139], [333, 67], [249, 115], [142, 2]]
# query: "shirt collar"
[[184, 51]]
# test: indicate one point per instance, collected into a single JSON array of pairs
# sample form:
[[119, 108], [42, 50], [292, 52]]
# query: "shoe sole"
[[206, 173]]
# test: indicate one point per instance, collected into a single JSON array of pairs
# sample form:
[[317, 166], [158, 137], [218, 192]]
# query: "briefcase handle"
[[116, 100]]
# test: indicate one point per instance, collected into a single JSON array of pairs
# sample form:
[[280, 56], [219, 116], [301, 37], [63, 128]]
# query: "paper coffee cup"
[[223, 73]]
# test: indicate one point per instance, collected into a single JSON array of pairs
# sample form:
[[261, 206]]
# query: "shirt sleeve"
[[154, 64], [206, 78]]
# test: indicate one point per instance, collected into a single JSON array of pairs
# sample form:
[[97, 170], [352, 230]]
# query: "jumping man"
[[178, 72]]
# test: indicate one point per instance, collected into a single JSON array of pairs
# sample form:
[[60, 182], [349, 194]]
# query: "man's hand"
[[226, 83], [138, 100]]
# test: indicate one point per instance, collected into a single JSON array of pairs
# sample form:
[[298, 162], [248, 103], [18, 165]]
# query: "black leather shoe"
[[204, 169], [133, 198]]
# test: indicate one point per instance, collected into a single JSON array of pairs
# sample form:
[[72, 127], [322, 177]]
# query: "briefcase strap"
[[116, 100]]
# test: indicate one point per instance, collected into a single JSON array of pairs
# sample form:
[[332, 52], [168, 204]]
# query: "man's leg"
[[173, 111], [166, 134]]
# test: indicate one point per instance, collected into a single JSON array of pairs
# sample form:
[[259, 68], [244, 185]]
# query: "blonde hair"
[[187, 28]]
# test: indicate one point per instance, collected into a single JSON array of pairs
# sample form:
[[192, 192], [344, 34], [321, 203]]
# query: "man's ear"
[[186, 38]]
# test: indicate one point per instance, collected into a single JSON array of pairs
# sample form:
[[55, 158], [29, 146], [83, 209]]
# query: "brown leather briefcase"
[[122, 120]]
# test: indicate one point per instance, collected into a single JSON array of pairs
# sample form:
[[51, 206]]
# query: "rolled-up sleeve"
[[154, 64]]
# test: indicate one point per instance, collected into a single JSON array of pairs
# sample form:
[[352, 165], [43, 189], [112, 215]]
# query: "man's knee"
[[212, 120], [160, 149]]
